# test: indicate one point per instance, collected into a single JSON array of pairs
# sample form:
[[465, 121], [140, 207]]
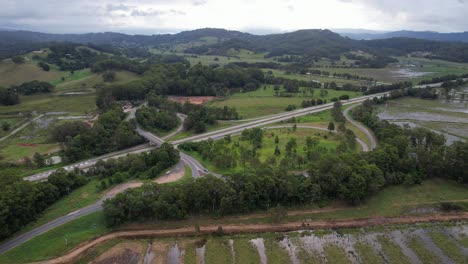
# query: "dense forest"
[[177, 79], [110, 133]]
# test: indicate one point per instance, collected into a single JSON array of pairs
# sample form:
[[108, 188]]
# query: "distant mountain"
[[313, 43], [426, 35]]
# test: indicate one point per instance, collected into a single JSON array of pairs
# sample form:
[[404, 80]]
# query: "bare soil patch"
[[198, 100], [121, 253], [27, 145]]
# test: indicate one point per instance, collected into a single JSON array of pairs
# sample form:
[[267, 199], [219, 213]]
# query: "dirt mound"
[[198, 100], [122, 253], [26, 145]]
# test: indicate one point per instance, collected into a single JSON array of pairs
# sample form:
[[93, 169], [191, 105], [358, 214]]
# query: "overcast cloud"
[[257, 16]]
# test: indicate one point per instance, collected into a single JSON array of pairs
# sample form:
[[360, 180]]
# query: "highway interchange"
[[196, 168]]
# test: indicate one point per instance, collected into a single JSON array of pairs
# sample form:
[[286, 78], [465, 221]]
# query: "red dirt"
[[198, 100], [259, 228], [26, 144]]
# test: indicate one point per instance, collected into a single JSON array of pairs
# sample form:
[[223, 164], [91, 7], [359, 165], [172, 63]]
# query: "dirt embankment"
[[258, 228], [198, 100]]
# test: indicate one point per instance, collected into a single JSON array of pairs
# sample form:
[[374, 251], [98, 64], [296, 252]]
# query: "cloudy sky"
[[256, 16]]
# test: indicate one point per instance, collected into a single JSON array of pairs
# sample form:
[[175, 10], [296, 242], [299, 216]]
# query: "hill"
[[426, 35], [311, 43]]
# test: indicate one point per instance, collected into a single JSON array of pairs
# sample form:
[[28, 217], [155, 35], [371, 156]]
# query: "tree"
[[108, 76], [18, 59], [44, 66], [276, 139], [331, 126], [39, 160], [6, 126], [277, 151]]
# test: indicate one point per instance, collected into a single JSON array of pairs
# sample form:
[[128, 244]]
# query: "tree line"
[[11, 95]]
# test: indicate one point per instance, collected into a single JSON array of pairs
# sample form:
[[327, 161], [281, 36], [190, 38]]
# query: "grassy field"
[[300, 77], [15, 74], [448, 247], [431, 68], [263, 101], [58, 241], [423, 253], [336, 255], [393, 251], [326, 142], [368, 253], [33, 138], [79, 198]]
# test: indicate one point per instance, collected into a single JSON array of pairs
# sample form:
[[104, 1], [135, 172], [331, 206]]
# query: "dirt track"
[[259, 228]]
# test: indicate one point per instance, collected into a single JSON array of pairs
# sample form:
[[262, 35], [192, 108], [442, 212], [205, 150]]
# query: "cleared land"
[[263, 101]]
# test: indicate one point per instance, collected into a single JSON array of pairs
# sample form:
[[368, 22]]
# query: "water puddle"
[[149, 257], [200, 251], [260, 246], [233, 253], [291, 249], [399, 237], [173, 255]]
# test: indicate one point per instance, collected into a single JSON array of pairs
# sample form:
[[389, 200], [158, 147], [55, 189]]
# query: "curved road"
[[369, 135]]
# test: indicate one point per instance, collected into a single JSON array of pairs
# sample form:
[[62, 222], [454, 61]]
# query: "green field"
[[326, 142], [263, 102], [58, 241], [303, 77]]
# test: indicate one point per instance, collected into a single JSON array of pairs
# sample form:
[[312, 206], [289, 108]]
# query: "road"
[[370, 136], [16, 130], [179, 129]]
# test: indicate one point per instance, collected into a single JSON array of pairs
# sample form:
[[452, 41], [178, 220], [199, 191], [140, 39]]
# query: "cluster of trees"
[[72, 57], [44, 66], [10, 96], [33, 87], [151, 118], [312, 102], [109, 133], [389, 87], [440, 79], [198, 116], [22, 201], [118, 63], [144, 165], [376, 61], [176, 79]]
